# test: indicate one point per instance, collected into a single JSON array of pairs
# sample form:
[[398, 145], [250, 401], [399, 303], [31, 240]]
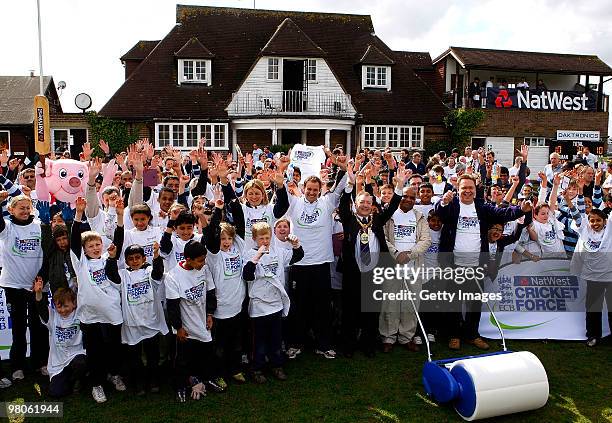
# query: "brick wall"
[[21, 139], [527, 123], [436, 133]]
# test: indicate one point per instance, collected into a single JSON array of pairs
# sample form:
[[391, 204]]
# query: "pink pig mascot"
[[66, 179]]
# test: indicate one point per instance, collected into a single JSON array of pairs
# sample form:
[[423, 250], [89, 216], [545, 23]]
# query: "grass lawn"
[[384, 389]]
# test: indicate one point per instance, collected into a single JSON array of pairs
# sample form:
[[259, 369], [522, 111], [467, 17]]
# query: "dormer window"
[[194, 71], [376, 77]]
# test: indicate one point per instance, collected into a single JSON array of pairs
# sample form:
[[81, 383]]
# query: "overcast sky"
[[83, 39]]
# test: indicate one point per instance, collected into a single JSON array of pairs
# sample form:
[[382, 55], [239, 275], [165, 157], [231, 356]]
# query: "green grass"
[[384, 389]]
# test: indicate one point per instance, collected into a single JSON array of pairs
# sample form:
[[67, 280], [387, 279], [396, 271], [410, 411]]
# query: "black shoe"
[[279, 373]]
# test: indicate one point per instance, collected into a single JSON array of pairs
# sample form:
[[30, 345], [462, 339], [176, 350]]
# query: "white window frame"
[[378, 137], [377, 70], [207, 77], [535, 141], [54, 147], [311, 65], [201, 127], [9, 139], [270, 64]]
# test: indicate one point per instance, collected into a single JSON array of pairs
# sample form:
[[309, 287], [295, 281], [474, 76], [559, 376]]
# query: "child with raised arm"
[[67, 365], [546, 230], [98, 302], [268, 301], [143, 315], [191, 304], [22, 259]]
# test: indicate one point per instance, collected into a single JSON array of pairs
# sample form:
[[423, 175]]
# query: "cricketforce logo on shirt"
[[63, 335], [302, 156], [308, 219], [98, 277], [403, 231], [195, 293], [467, 224], [138, 291], [148, 250], [231, 266], [263, 219], [270, 269], [22, 247]]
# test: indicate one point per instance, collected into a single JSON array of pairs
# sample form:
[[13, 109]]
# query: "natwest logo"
[[551, 100], [503, 99]]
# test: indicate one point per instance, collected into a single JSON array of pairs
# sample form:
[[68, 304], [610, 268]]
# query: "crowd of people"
[[224, 268]]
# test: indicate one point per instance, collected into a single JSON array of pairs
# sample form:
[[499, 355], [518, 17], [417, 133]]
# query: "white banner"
[[308, 159], [539, 301], [578, 135]]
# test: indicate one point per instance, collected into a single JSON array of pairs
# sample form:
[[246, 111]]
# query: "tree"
[[461, 123], [115, 132]]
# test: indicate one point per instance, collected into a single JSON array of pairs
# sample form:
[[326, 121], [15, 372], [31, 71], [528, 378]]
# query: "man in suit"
[[463, 238], [364, 242]]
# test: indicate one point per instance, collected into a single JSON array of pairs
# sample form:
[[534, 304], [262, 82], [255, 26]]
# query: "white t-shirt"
[[252, 215], [104, 223], [431, 255], [190, 287], [98, 299], [22, 255], [230, 289], [178, 247], [65, 341], [143, 315], [267, 293], [438, 188], [312, 223], [467, 240], [157, 221], [146, 239], [550, 236], [450, 171], [404, 229]]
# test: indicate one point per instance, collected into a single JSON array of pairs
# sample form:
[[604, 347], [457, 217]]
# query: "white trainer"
[[18, 375], [118, 382], [97, 392]]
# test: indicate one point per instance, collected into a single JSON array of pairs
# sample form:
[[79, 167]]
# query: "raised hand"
[[543, 180], [278, 178], [14, 163], [524, 152], [515, 180], [448, 197], [349, 171], [112, 251], [87, 151], [120, 206], [81, 204], [341, 162], [104, 147], [557, 179], [94, 166], [38, 285], [4, 158], [599, 176]]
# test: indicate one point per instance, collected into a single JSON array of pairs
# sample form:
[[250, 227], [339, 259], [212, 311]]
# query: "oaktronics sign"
[[564, 101]]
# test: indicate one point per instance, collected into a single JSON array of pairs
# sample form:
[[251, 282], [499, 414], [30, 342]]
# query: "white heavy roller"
[[495, 385], [487, 385]]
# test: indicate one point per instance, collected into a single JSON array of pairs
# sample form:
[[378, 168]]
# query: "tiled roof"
[[17, 98], [480, 58], [237, 38], [140, 50]]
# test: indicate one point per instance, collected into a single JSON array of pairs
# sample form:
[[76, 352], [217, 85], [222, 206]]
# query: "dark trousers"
[[459, 325], [193, 358], [597, 292], [359, 327], [432, 313], [102, 341], [311, 304], [22, 309], [139, 375], [62, 383], [227, 334], [267, 339]]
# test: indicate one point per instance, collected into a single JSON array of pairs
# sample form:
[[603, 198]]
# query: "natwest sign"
[[578, 135], [566, 101]]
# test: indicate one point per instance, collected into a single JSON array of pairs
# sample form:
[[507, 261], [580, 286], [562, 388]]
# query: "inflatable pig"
[[65, 179]]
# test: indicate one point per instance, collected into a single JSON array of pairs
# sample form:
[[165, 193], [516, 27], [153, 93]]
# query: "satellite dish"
[[61, 85], [82, 101]]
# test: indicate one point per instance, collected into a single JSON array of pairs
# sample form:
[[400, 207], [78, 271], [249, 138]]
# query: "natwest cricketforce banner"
[[563, 101], [540, 300]]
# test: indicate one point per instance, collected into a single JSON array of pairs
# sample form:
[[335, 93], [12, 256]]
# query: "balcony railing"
[[289, 102]]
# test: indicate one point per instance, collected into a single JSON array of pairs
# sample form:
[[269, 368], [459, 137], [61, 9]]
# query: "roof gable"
[[290, 40], [140, 50], [373, 56], [194, 49]]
